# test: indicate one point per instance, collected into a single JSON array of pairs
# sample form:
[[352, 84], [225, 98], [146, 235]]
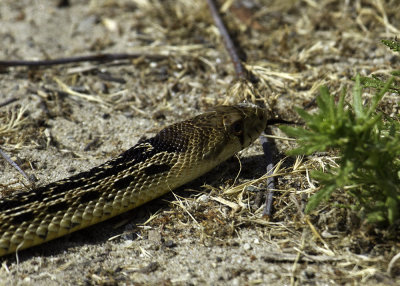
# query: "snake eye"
[[237, 127]]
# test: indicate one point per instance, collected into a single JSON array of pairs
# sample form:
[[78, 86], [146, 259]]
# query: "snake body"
[[176, 155]]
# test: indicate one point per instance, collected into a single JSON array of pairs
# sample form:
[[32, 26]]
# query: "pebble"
[[235, 282], [100, 87], [204, 198], [247, 246]]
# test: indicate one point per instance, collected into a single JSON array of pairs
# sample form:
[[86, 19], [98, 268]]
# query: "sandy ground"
[[196, 236]]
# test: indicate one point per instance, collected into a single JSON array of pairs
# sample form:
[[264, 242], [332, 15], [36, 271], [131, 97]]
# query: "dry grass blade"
[[270, 77], [242, 90], [279, 137], [277, 171], [13, 122], [178, 202], [87, 97], [328, 251], [392, 262], [383, 19], [230, 204], [291, 48], [296, 260], [11, 126]]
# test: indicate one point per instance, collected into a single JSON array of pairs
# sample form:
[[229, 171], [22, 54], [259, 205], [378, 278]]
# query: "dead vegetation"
[[292, 48]]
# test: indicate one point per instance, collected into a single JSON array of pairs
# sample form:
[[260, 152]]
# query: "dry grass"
[[12, 123], [301, 64], [292, 48]]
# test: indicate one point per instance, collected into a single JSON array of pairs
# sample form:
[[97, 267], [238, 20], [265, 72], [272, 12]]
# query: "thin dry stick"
[[8, 101], [242, 74], [12, 163], [270, 180], [229, 45], [68, 60]]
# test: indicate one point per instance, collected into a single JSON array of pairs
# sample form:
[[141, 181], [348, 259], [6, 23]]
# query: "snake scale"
[[177, 155]]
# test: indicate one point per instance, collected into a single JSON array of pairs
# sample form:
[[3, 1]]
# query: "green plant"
[[368, 146], [375, 81]]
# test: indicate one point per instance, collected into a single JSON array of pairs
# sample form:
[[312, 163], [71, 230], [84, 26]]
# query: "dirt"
[[197, 235]]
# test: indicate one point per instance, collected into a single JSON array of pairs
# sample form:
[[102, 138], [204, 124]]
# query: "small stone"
[[235, 282], [100, 87], [309, 274], [204, 198], [170, 244], [247, 246]]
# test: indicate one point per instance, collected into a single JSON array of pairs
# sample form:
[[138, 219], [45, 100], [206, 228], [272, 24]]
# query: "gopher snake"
[[176, 155]]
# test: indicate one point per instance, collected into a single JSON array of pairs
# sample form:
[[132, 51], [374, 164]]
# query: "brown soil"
[[76, 116]]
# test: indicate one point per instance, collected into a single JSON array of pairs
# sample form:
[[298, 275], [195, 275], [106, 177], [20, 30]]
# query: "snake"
[[178, 154]]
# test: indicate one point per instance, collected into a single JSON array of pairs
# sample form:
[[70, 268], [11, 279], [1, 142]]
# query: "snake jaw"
[[236, 127], [247, 124]]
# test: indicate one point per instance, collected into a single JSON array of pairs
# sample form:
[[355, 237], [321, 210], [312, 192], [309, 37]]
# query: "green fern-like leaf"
[[368, 147], [392, 44]]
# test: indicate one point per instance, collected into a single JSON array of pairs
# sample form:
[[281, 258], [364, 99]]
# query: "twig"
[[69, 91], [279, 257], [240, 70], [91, 58], [12, 163], [242, 74], [270, 180], [8, 101]]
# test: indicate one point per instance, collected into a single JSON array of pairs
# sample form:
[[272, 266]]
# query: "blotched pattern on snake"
[[175, 156]]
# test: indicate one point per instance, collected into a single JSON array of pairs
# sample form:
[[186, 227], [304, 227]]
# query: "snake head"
[[233, 127], [244, 122], [213, 136]]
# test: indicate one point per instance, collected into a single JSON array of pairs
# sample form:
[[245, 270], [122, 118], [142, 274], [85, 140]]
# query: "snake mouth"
[[260, 123], [250, 137]]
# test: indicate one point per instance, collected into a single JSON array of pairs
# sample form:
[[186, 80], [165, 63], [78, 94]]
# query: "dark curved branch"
[[240, 70]]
